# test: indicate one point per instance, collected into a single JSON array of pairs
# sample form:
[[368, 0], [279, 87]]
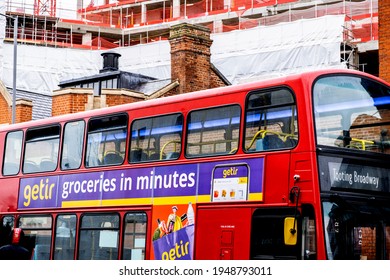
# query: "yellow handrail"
[[166, 144], [262, 133], [362, 142]]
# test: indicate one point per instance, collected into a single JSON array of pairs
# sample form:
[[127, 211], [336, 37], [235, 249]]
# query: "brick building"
[[384, 40], [190, 59], [191, 70]]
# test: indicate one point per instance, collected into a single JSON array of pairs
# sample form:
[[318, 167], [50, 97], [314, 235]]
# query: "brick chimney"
[[23, 110], [190, 57], [384, 40]]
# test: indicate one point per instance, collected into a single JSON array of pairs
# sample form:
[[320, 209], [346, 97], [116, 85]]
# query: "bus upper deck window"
[[271, 120], [352, 113], [106, 142], [213, 131], [72, 146], [12, 153], [156, 138], [41, 149]]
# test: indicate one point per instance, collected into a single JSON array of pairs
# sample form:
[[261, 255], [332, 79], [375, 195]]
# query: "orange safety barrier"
[[361, 22]]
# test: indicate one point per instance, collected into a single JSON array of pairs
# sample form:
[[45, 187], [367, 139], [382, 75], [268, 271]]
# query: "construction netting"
[[361, 17], [141, 21], [269, 51], [136, 12], [240, 55], [244, 13]]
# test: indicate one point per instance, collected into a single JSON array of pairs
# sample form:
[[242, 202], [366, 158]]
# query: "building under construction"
[[109, 24], [60, 41]]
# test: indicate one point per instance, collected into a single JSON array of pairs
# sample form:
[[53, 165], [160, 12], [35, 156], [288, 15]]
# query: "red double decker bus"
[[289, 168]]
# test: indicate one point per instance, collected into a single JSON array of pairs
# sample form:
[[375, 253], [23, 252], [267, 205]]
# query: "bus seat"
[[156, 156], [173, 155], [112, 158], [138, 155], [272, 142], [290, 142], [30, 167], [259, 145], [47, 165]]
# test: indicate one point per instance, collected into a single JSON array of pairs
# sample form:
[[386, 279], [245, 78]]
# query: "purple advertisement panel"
[[128, 183], [177, 245], [175, 180], [38, 192], [241, 177]]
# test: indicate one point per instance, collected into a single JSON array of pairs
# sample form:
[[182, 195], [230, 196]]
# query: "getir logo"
[[179, 251], [42, 191], [232, 171]]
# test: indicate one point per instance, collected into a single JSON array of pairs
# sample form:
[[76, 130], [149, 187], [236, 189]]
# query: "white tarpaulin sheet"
[[41, 69], [239, 55], [2, 35], [280, 49]]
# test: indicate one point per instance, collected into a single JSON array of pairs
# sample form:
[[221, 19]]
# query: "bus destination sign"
[[347, 174]]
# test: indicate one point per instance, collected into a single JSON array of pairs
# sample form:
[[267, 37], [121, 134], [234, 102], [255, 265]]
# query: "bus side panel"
[[276, 177], [223, 233], [9, 195]]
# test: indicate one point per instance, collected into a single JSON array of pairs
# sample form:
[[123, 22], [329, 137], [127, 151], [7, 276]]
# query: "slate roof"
[[126, 80], [42, 104]]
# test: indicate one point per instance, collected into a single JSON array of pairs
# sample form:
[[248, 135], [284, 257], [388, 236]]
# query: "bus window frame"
[[347, 142], [41, 139], [292, 106], [215, 154], [7, 224], [124, 232], [6, 152], [150, 136], [82, 144], [35, 230], [100, 228], [55, 235], [88, 132]]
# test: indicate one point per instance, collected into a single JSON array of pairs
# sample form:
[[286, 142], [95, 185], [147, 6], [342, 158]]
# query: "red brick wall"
[[69, 103], [368, 243], [76, 100], [23, 112], [384, 40], [116, 99], [6, 111], [216, 81]]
